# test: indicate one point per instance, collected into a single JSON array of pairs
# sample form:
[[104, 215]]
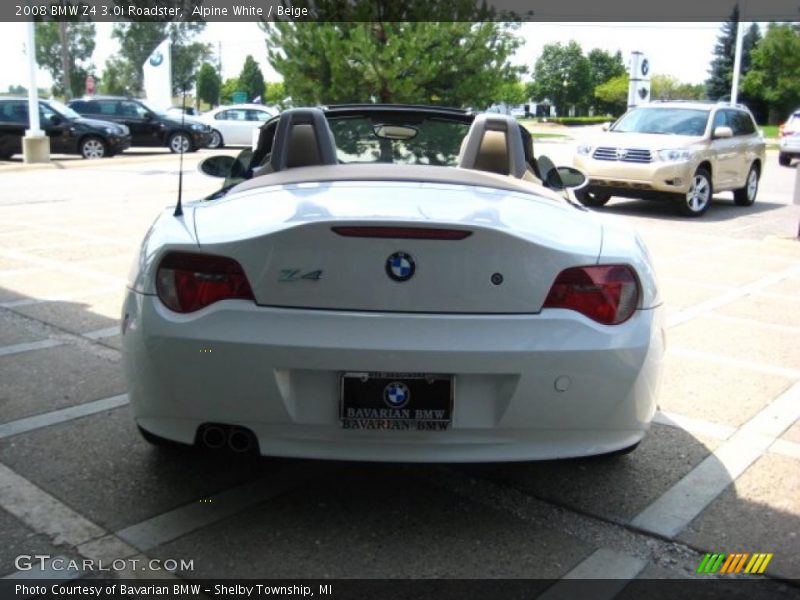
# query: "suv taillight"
[[186, 282], [609, 294]]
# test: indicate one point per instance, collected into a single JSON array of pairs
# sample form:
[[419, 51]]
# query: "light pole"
[[35, 144]]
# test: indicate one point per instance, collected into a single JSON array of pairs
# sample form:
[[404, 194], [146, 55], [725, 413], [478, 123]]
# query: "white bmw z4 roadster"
[[393, 283]]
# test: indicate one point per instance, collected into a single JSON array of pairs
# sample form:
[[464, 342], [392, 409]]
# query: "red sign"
[[89, 84]]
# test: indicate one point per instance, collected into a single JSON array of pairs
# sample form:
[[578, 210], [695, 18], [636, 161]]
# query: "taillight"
[[187, 282], [608, 294]]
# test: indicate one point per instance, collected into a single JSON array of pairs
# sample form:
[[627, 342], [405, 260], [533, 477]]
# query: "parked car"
[[177, 111], [789, 148], [791, 126], [684, 151], [233, 125], [393, 283], [69, 133], [148, 126]]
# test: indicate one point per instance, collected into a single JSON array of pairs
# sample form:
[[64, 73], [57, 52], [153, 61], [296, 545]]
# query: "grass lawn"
[[770, 131]]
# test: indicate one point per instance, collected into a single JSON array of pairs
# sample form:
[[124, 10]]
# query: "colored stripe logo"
[[754, 564]]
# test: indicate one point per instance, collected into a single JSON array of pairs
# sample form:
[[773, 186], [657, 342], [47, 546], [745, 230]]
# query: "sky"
[[683, 50]]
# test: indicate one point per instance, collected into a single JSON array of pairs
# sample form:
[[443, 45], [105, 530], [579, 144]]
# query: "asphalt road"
[[720, 471]]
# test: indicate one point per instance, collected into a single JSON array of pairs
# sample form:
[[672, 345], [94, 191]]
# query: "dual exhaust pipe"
[[237, 439]]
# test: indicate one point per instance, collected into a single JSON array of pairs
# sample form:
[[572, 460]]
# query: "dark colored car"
[[69, 132], [149, 127]]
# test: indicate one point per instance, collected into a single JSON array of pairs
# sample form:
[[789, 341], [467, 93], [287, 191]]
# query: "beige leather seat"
[[494, 144], [302, 139]]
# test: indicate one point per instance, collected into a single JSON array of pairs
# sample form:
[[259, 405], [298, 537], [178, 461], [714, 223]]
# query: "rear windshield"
[[670, 121], [437, 141]]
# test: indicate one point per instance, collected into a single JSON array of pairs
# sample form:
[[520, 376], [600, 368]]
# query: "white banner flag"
[[158, 76]]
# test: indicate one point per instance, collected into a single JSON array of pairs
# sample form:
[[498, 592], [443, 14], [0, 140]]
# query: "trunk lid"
[[285, 240]]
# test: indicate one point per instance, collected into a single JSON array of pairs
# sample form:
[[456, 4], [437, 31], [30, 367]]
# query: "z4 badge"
[[289, 275]]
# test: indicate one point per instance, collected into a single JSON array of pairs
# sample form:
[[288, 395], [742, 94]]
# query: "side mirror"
[[723, 132], [217, 166], [55, 120], [571, 178], [606, 126], [148, 116]]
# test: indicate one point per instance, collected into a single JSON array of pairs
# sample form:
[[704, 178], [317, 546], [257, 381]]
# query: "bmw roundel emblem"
[[400, 266], [645, 67], [396, 394], [156, 59]]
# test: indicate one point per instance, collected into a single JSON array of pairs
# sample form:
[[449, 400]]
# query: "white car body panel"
[[529, 383]]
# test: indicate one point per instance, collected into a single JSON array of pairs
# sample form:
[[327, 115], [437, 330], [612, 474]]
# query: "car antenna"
[[179, 207]]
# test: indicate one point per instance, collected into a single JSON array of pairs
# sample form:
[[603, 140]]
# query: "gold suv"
[[685, 151]]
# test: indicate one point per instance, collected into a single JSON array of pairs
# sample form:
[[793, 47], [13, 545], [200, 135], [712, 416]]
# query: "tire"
[[784, 160], [697, 200], [178, 140], [588, 198], [216, 140], [160, 442], [746, 196], [93, 147]]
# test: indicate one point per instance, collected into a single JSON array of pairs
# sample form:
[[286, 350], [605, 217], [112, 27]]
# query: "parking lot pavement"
[[719, 472]]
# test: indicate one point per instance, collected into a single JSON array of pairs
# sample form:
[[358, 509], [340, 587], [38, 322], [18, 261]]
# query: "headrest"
[[494, 144], [302, 139]]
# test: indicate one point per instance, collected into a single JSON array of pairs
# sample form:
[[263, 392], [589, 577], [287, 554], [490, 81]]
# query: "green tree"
[[275, 93], [251, 80], [512, 93], [229, 86], [667, 87], [775, 70], [137, 41], [612, 96], [397, 58], [78, 37], [563, 75], [720, 80], [605, 66], [116, 78], [208, 84]]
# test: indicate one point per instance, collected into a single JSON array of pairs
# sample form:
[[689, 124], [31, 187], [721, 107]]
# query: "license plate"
[[396, 401]]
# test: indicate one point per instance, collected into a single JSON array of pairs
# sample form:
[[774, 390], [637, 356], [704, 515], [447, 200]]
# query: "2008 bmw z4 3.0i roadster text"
[[394, 283]]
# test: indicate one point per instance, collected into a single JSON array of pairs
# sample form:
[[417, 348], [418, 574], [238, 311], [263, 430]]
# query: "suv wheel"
[[588, 198], [698, 198], [179, 142], [93, 147], [784, 160], [747, 195], [216, 140]]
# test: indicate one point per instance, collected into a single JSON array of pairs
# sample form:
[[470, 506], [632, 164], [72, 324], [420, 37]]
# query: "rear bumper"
[[276, 372]]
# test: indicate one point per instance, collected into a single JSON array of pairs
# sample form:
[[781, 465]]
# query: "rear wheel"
[[93, 147], [588, 198], [784, 159], [216, 140], [179, 142], [697, 200], [746, 196]]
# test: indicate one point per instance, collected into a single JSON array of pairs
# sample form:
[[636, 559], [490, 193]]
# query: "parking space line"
[[184, 520], [739, 363], [63, 415], [99, 334], [734, 294], [694, 426], [63, 297], [608, 573], [28, 346], [786, 448], [67, 267], [42, 512], [685, 500], [754, 322]]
